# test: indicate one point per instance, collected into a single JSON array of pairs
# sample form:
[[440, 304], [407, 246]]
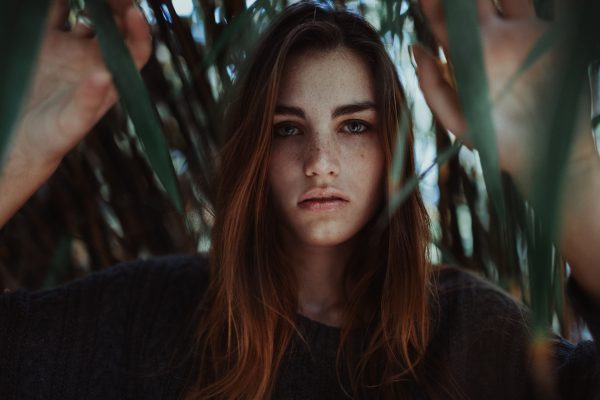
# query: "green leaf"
[[391, 19], [469, 70], [594, 77], [240, 24], [411, 184], [24, 20], [397, 169], [60, 262], [134, 96], [545, 8], [580, 34]]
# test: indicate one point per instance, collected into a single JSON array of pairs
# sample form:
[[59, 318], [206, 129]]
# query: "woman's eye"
[[286, 130], [355, 127]]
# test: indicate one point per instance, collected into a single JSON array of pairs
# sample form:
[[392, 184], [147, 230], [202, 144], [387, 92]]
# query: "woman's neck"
[[319, 273]]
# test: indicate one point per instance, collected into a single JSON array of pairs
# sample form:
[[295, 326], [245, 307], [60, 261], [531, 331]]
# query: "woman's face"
[[326, 166]]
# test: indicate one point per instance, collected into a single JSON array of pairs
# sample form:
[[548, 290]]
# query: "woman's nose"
[[321, 157]]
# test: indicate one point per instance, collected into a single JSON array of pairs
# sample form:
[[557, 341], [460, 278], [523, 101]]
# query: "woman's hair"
[[249, 315]]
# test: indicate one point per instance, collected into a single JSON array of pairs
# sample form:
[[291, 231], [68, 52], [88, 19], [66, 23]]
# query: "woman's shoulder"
[[118, 324], [482, 332], [479, 336], [177, 266], [170, 281], [180, 270], [461, 284], [468, 302]]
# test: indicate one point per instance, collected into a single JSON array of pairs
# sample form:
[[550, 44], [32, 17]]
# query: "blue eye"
[[285, 130], [355, 127]]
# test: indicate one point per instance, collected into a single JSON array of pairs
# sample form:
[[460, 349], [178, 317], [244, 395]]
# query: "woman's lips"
[[323, 204]]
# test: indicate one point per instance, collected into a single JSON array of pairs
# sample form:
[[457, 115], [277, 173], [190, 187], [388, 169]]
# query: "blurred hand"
[[71, 87], [521, 119], [507, 37]]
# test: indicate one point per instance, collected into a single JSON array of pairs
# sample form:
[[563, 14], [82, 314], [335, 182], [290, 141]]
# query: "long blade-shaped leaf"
[[134, 97], [411, 184], [397, 169], [469, 70], [581, 35], [594, 77], [241, 23], [23, 20]]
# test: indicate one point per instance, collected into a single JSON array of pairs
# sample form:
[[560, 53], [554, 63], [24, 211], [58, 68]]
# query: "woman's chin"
[[324, 238]]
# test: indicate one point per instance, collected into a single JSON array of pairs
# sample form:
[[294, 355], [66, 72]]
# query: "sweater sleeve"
[[81, 340], [484, 337], [579, 365]]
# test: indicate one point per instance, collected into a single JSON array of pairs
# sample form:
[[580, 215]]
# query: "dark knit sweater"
[[113, 334]]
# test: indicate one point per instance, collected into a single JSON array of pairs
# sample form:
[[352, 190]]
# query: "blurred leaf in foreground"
[[468, 65], [24, 20], [134, 97]]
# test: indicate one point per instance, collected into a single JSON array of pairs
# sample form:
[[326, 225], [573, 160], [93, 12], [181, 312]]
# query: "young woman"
[[304, 297]]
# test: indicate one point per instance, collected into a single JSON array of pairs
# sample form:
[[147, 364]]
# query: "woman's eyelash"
[[285, 130], [353, 127], [356, 127]]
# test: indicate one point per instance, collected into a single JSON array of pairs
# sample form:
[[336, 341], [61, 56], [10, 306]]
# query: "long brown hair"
[[250, 311]]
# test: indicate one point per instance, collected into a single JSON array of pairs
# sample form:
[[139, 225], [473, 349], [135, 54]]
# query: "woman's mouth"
[[323, 204]]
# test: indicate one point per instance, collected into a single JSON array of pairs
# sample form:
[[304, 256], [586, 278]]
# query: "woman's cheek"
[[367, 158], [283, 171]]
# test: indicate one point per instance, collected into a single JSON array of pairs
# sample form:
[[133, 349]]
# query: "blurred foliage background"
[[105, 204]]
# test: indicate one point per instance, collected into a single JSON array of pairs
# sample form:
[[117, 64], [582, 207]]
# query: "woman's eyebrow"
[[353, 108], [280, 109], [345, 109]]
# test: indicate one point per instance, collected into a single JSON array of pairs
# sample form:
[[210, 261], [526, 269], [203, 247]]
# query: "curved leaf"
[[134, 97], [469, 71]]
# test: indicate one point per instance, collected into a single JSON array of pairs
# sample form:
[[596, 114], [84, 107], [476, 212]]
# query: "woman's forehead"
[[326, 76]]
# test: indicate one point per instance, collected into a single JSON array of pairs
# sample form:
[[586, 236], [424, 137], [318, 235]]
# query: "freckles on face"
[[327, 165]]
